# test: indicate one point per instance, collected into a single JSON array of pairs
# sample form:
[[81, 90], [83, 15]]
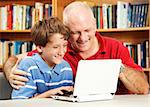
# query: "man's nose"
[[83, 36]]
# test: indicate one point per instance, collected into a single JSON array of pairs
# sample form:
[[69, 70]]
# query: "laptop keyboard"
[[65, 93]]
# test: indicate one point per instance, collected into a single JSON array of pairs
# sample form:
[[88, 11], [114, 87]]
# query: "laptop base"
[[84, 98]]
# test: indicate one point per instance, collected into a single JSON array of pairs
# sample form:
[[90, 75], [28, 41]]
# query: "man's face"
[[82, 33], [54, 50]]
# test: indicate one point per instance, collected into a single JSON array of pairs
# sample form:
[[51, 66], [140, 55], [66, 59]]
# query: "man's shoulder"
[[112, 41], [107, 40]]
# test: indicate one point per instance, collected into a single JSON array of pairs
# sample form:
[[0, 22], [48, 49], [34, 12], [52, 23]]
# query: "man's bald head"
[[77, 10]]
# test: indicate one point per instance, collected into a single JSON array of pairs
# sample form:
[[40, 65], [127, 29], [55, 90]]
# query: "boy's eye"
[[65, 45]]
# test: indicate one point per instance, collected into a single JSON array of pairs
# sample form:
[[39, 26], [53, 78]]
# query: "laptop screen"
[[97, 77]]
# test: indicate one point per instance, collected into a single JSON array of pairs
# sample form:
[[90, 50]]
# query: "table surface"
[[117, 101]]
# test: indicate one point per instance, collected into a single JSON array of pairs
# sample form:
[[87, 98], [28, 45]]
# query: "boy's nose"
[[62, 51]]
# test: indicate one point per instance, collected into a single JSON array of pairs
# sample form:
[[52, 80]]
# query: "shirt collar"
[[42, 65]]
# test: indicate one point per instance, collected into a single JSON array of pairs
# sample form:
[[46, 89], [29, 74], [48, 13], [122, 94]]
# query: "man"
[[86, 43]]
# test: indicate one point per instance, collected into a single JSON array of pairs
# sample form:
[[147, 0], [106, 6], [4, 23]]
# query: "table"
[[117, 101]]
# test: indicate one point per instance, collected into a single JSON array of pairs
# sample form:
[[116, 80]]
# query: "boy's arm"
[[134, 80], [67, 75], [30, 87], [12, 75], [48, 93]]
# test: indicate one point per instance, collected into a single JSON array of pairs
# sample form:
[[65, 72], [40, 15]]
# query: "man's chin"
[[83, 49]]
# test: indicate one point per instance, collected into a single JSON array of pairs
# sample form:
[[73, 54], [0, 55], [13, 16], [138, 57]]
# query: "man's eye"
[[87, 30], [55, 47], [74, 33]]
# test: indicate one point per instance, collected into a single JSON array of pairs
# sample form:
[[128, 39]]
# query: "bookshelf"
[[134, 35], [22, 35]]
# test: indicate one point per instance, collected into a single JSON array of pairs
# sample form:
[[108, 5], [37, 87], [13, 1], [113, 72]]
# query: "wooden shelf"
[[125, 30], [99, 30], [147, 69], [23, 2], [132, 35], [1, 68], [13, 35], [15, 31]]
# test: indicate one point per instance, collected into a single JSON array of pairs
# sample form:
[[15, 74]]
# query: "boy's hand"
[[61, 89], [55, 91]]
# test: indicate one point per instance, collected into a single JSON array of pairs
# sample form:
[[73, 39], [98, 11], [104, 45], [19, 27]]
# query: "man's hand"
[[14, 76], [134, 80]]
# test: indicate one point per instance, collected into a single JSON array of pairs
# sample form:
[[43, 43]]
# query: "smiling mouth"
[[82, 43]]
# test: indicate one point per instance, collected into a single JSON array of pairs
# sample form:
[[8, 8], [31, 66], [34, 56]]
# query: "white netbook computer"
[[95, 80]]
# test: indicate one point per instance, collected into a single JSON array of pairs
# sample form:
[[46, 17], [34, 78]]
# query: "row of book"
[[9, 48], [21, 17], [122, 15], [140, 53]]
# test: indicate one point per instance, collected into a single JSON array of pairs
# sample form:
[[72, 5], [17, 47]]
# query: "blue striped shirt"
[[42, 78]]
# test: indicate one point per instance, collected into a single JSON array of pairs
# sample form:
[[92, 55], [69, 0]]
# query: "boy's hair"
[[44, 29]]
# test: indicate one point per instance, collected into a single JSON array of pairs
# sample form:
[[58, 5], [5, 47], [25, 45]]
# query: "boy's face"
[[54, 50]]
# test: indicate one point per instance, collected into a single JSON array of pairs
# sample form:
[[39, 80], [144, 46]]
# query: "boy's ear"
[[39, 49]]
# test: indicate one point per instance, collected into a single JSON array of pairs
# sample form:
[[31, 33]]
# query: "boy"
[[48, 73]]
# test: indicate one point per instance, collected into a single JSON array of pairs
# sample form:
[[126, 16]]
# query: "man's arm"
[[134, 80], [8, 65], [13, 75]]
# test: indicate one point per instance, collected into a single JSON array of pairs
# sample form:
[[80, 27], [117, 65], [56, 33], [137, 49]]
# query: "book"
[[3, 18], [105, 15], [114, 16], [9, 16], [122, 14]]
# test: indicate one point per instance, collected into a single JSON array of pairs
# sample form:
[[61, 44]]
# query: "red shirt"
[[110, 49]]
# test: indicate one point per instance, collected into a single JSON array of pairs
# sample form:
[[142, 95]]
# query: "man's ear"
[[39, 49]]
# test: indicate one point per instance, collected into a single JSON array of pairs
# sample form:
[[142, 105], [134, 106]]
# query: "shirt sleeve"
[[29, 90]]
